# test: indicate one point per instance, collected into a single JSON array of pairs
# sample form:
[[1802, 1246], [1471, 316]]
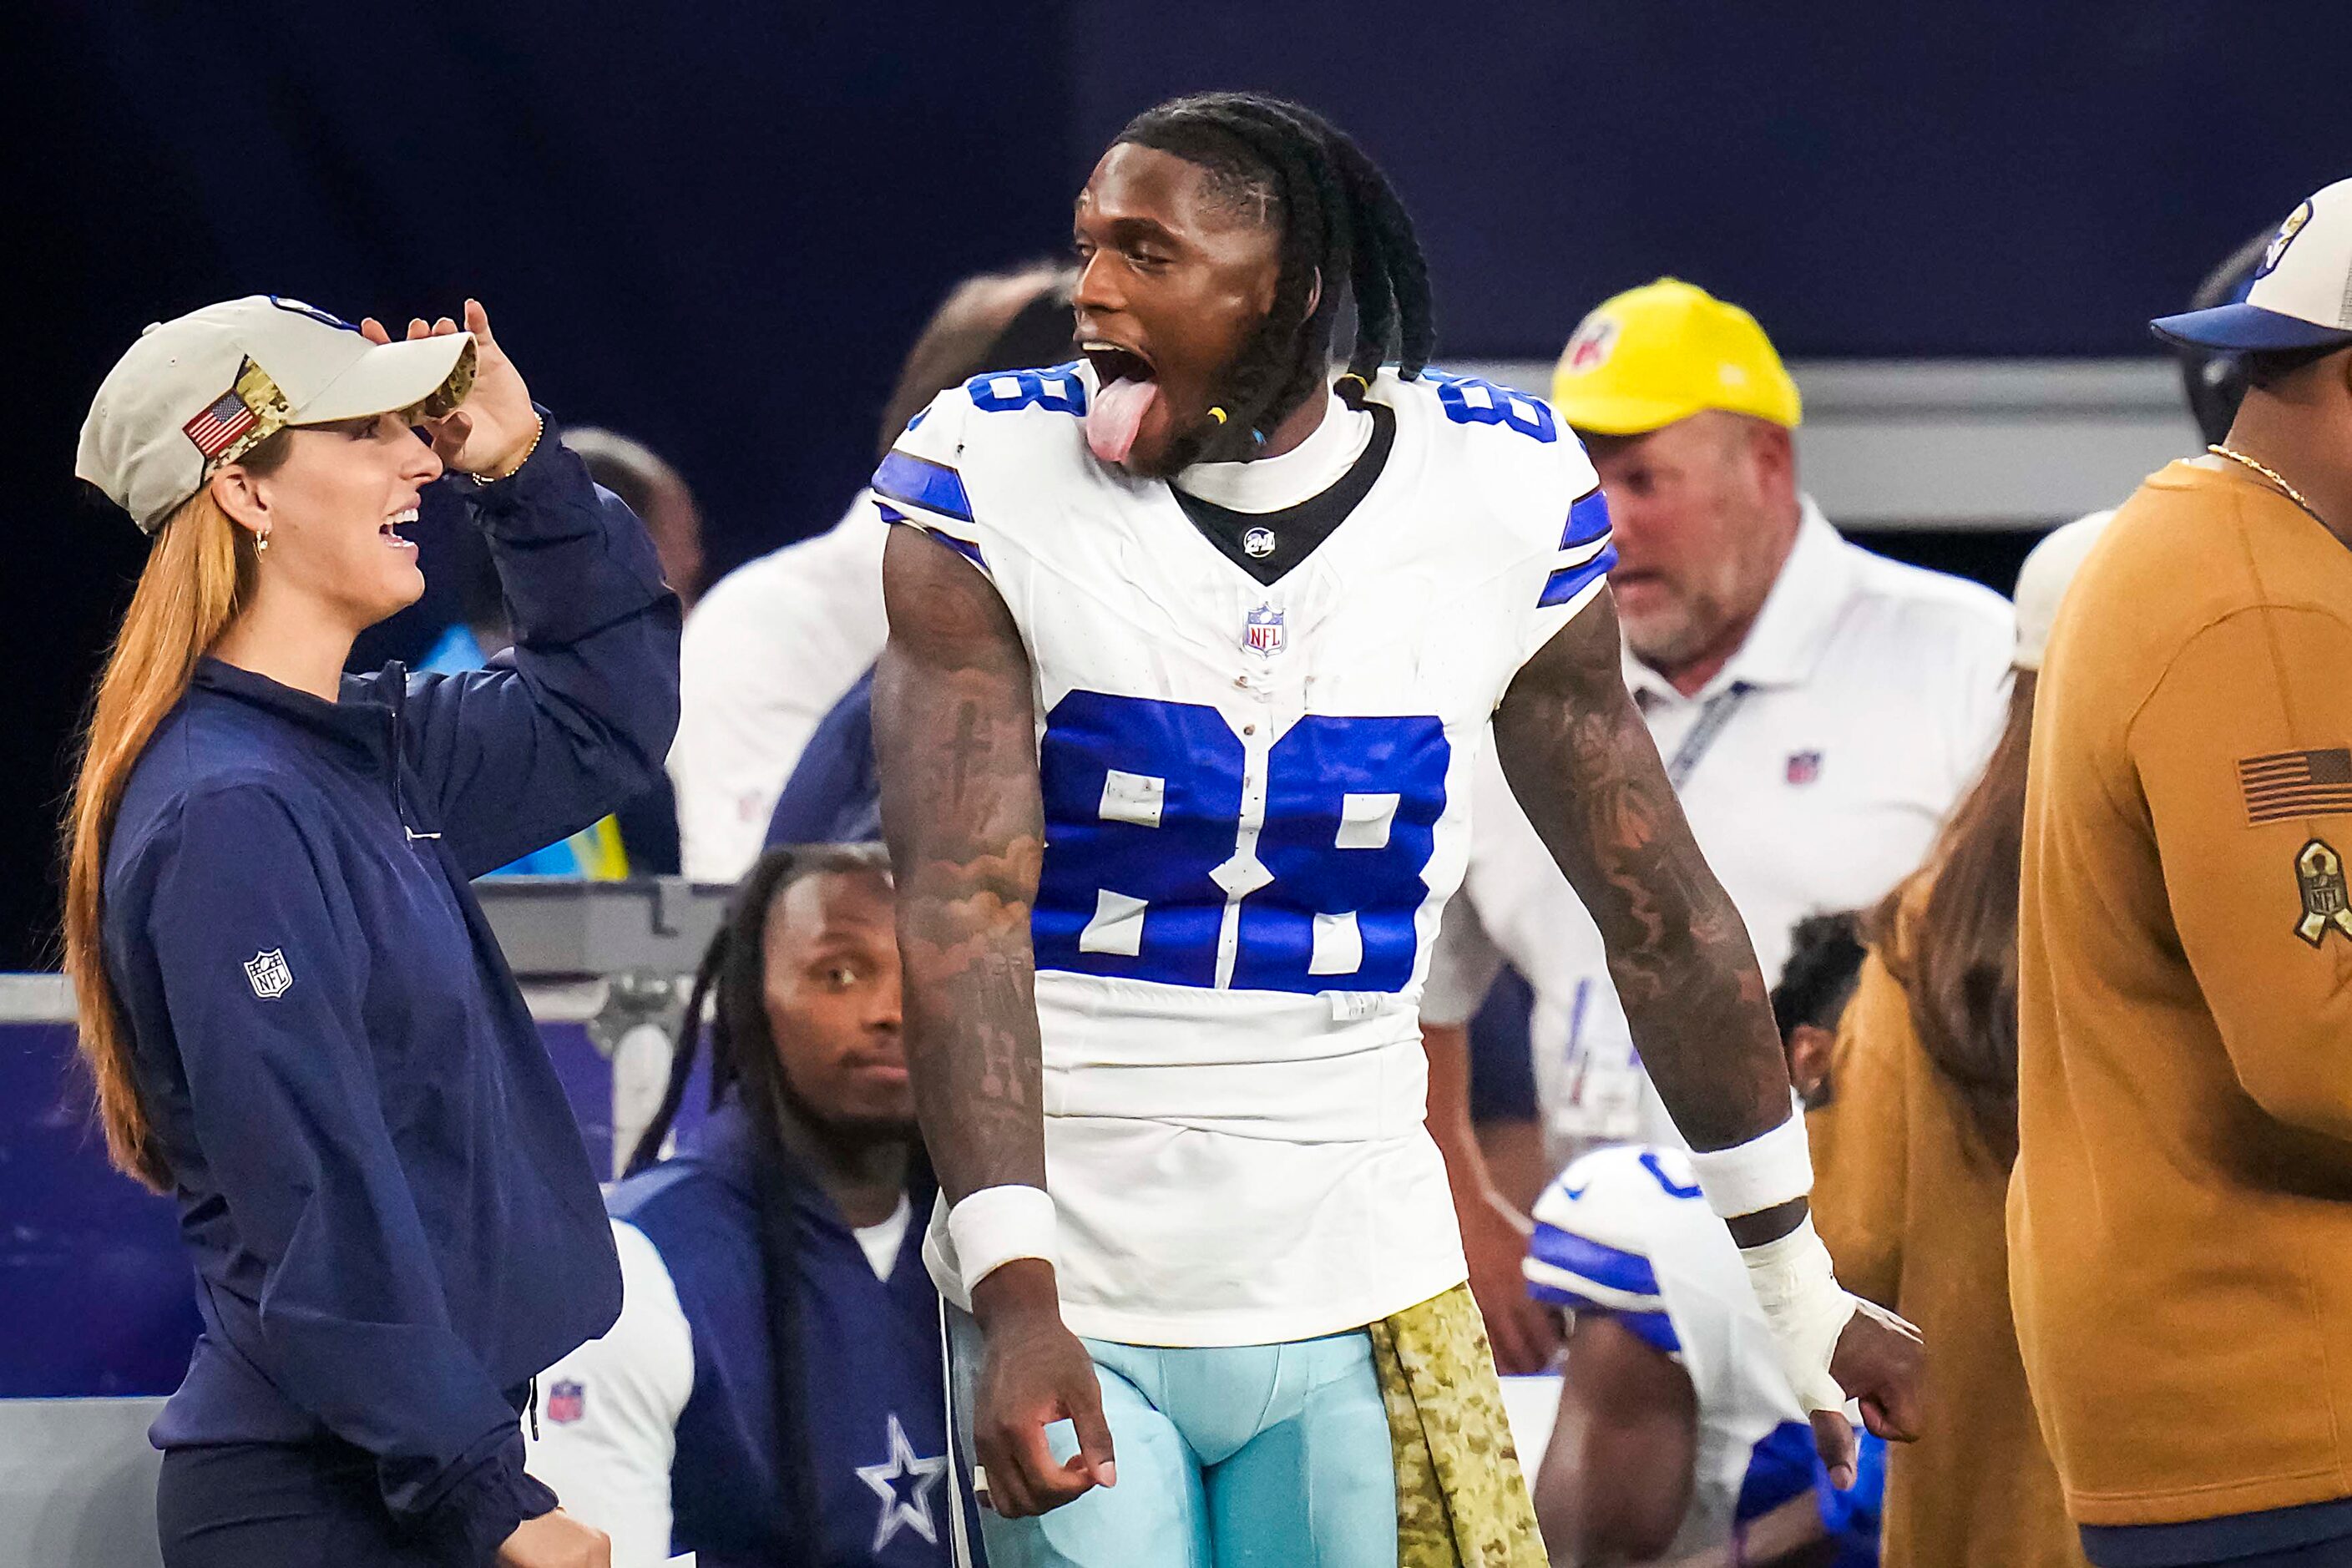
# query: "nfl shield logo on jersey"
[[1804, 767], [267, 973], [566, 1402], [1262, 631]]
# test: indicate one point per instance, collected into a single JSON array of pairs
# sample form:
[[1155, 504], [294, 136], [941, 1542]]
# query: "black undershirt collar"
[[1287, 537]]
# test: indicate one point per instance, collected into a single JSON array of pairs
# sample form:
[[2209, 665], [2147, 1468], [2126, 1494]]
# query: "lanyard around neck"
[[1713, 715]]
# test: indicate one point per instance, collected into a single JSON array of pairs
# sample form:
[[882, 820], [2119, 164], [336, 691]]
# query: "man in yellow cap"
[[1687, 408], [1819, 708]]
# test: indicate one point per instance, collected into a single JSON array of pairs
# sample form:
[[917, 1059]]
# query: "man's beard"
[[1210, 441], [1199, 444], [1665, 639], [846, 1129]]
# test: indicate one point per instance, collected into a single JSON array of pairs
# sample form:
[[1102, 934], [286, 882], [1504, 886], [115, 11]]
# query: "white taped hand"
[[1808, 1310]]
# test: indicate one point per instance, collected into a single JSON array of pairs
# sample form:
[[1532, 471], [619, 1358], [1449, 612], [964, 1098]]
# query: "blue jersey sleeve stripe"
[[1569, 581], [1587, 521], [963, 547], [919, 482], [1613, 1267]]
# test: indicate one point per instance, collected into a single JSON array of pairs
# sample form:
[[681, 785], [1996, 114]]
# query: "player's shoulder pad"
[[1509, 450], [997, 434]]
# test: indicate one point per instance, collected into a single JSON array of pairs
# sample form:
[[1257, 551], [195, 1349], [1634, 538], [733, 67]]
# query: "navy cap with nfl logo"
[[2301, 296]]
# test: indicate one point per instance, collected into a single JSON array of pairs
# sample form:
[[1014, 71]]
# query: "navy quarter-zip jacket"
[[392, 1218]]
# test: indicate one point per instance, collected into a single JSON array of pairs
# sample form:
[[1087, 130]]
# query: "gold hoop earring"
[[1218, 414]]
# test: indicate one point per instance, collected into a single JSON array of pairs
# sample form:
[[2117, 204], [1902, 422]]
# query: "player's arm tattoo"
[[955, 742], [1584, 769]]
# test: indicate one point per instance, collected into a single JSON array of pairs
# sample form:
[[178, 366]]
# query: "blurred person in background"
[[656, 493], [780, 641], [297, 1021], [2181, 1210], [1818, 708], [833, 793], [2215, 379], [647, 825], [1912, 1154], [771, 1396], [1678, 1441]]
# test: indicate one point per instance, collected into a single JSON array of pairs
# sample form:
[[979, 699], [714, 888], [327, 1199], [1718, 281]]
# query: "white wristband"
[[1769, 1170], [995, 1225]]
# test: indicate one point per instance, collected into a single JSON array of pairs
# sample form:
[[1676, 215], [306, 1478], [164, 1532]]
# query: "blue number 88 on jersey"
[[1151, 833]]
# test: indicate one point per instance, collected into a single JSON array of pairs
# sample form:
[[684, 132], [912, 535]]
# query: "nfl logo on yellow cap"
[[1661, 352]]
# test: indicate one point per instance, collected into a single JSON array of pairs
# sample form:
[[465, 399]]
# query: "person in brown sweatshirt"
[[2180, 1215], [1913, 1144]]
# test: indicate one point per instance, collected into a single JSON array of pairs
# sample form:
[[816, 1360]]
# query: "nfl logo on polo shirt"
[[1804, 767], [566, 1402]]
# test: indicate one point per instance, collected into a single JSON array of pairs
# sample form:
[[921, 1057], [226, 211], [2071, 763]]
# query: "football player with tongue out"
[[1192, 649]]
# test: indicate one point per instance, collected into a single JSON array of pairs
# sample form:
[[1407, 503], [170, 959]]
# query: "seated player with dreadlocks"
[[1190, 658], [771, 1395]]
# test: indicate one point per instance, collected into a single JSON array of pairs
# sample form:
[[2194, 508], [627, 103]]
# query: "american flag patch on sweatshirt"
[[2296, 783]]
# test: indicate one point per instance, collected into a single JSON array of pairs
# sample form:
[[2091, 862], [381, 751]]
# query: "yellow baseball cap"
[[1665, 352]]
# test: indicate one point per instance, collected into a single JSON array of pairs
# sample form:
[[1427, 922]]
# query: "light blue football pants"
[[1239, 1456]]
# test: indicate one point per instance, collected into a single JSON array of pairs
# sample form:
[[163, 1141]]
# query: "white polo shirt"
[[1814, 768], [767, 653]]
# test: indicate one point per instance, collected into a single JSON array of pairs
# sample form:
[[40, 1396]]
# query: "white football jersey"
[[1256, 802], [1624, 1231]]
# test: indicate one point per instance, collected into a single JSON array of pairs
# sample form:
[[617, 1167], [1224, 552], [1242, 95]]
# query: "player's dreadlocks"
[[1341, 220], [732, 984]]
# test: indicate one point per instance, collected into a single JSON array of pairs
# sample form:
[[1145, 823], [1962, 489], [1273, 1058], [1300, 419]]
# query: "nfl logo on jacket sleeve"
[[267, 973]]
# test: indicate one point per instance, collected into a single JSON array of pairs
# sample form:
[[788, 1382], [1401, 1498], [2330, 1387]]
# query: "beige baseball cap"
[[204, 389], [2042, 582]]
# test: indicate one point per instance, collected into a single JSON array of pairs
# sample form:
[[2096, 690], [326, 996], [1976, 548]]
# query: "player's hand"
[[490, 431], [555, 1541], [1495, 1239], [1035, 1372], [1879, 1362]]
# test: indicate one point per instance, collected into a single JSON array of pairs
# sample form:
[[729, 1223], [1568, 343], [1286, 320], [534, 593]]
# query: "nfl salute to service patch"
[[2295, 784], [2327, 905]]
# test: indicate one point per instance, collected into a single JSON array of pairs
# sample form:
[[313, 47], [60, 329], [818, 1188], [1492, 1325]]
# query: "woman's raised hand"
[[490, 433]]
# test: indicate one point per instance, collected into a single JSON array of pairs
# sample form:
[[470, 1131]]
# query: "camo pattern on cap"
[[271, 413]]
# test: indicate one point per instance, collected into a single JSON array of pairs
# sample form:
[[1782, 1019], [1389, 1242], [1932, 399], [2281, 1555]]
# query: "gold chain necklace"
[[2293, 494]]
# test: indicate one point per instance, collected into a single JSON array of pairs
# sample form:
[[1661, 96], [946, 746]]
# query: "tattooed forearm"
[[956, 743], [1585, 770]]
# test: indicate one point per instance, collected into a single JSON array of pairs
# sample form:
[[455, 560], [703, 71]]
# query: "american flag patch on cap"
[[2296, 783], [219, 425]]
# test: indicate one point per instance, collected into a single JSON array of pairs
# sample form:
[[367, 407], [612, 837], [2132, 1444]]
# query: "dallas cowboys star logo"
[[904, 1483]]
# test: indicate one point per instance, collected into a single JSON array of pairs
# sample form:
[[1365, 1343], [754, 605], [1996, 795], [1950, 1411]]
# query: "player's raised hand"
[[1880, 1361], [490, 432], [1035, 1372]]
